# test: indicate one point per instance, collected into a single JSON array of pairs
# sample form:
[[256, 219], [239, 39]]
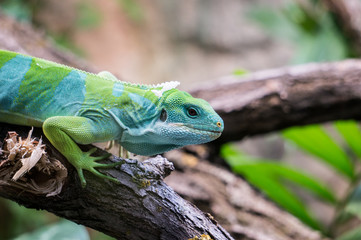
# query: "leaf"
[[239, 162], [240, 72], [63, 230], [280, 173], [354, 234], [350, 131], [302, 18], [273, 22], [281, 195], [315, 140], [303, 180], [232, 155], [325, 45], [269, 176], [311, 30]]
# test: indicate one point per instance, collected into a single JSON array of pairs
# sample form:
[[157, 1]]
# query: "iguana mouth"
[[205, 130], [195, 128], [213, 131]]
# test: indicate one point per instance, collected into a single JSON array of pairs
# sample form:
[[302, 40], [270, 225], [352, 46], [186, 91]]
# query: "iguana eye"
[[192, 112], [163, 115]]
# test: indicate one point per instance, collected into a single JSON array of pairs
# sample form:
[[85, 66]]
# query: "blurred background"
[[142, 41], [194, 42]]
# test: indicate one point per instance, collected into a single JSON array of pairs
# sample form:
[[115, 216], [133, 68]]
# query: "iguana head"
[[188, 120], [180, 120]]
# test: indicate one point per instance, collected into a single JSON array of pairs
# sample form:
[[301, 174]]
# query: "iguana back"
[[34, 89]]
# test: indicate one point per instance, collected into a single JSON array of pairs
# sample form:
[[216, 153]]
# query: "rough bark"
[[275, 99], [141, 206], [239, 208]]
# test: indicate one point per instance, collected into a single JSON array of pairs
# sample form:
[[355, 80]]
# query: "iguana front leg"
[[65, 131]]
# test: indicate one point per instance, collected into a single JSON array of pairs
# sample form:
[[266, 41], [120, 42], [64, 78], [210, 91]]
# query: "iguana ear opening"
[[163, 115]]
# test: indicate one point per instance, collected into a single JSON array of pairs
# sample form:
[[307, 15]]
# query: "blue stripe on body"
[[11, 75], [118, 89], [69, 95], [36, 93]]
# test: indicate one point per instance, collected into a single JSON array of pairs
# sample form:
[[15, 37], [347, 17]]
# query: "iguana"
[[76, 107]]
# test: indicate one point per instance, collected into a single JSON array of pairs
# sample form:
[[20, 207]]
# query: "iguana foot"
[[123, 153], [89, 163]]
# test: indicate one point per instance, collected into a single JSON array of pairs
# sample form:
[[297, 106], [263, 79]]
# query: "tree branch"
[[271, 100], [142, 206], [238, 207]]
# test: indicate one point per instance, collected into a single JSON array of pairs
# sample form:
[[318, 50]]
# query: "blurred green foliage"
[[19, 9], [63, 41], [351, 235], [16, 219], [309, 27], [274, 178], [89, 16], [317, 142], [312, 30], [20, 223], [132, 9], [62, 230], [240, 72]]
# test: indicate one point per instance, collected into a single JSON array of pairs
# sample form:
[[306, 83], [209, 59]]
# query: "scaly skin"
[[75, 107]]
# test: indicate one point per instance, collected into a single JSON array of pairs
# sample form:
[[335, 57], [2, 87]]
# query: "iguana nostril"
[[219, 124]]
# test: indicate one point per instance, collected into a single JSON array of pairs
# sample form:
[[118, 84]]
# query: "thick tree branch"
[[271, 100], [142, 206], [239, 208]]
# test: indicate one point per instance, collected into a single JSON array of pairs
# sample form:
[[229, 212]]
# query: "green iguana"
[[73, 106]]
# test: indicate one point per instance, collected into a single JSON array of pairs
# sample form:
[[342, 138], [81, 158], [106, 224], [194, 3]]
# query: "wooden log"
[[141, 206], [275, 99]]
